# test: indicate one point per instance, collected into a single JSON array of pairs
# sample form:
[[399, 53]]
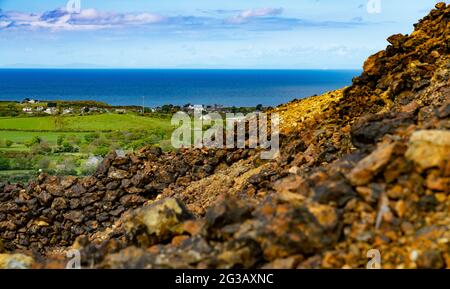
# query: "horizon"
[[162, 68], [200, 34]]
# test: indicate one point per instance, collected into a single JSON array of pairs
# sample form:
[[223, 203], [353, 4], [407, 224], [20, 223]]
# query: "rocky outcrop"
[[363, 168], [52, 211]]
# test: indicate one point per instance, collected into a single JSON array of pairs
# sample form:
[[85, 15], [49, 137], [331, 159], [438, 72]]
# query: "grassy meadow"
[[66, 145], [85, 123]]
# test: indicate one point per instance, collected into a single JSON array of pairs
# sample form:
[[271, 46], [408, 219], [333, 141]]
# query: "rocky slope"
[[366, 167]]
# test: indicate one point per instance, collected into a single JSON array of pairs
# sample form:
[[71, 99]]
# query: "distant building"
[[67, 111], [120, 110], [39, 108], [51, 110], [29, 100], [27, 109]]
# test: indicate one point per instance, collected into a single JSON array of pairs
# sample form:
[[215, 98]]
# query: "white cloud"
[[4, 24], [245, 15], [89, 14], [260, 19], [143, 18], [260, 12], [87, 19]]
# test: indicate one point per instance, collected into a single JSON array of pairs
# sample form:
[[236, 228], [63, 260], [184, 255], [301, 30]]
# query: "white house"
[[50, 110], [67, 111], [120, 110]]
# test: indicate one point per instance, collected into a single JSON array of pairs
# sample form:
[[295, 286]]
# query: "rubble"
[[429, 148]]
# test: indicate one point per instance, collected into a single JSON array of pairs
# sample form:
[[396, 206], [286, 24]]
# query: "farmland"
[[85, 123], [64, 144]]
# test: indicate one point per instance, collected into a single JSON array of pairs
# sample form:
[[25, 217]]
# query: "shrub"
[[35, 140], [69, 148], [23, 162], [43, 163], [66, 167], [74, 139], [60, 139], [41, 148], [90, 137], [101, 151], [4, 163], [66, 147]]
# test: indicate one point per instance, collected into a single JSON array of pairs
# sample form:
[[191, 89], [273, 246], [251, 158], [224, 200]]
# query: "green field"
[[15, 172], [62, 144], [22, 136], [100, 122], [16, 175]]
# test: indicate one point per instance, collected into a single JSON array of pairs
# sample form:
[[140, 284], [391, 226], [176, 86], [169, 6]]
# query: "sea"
[[157, 87]]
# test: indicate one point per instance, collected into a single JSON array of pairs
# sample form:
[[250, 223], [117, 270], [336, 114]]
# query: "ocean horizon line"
[[212, 69]]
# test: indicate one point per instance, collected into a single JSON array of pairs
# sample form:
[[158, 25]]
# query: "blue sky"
[[292, 34]]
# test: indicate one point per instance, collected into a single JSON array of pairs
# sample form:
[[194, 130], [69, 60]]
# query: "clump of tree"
[[41, 148], [67, 144], [4, 163], [6, 143], [66, 147], [34, 141]]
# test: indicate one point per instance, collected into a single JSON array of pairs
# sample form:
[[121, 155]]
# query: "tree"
[[42, 148], [4, 163], [34, 141], [101, 151], [60, 139], [90, 137], [167, 108]]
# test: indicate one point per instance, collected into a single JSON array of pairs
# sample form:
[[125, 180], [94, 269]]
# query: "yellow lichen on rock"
[[295, 113]]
